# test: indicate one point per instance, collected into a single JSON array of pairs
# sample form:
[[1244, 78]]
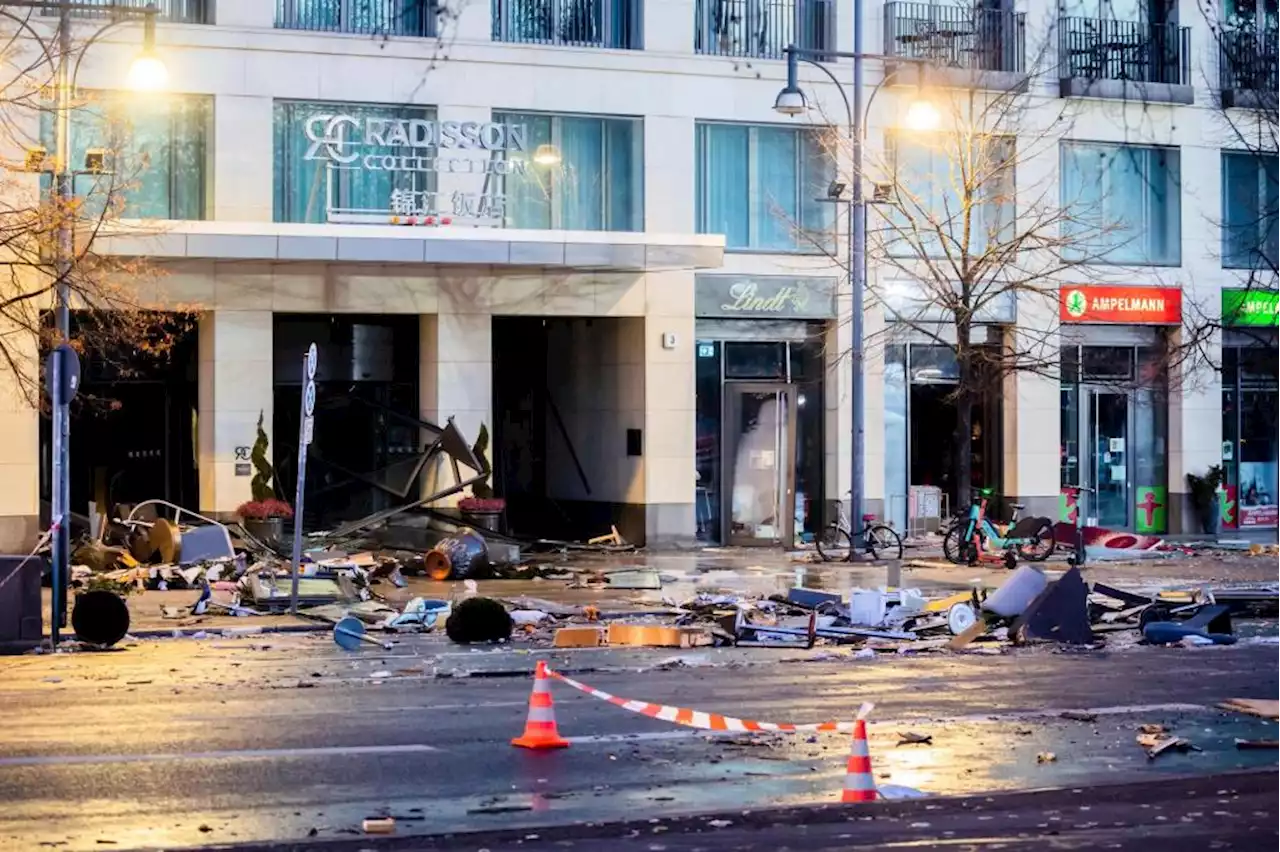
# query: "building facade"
[[580, 226]]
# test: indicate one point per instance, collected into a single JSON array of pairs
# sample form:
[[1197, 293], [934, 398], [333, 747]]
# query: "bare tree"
[[958, 245]]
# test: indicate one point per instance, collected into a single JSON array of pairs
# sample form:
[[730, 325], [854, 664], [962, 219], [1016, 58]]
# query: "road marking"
[[231, 754], [343, 711]]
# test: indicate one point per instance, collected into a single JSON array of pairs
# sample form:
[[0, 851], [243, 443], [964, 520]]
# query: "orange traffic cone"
[[859, 785], [540, 730]]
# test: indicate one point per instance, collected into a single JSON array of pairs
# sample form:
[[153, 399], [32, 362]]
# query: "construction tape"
[[703, 720]]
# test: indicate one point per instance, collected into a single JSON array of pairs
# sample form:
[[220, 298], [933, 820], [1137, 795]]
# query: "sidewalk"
[[747, 572]]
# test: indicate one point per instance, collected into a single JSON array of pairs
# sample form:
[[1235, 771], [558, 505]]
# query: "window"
[[1250, 210], [156, 153], [1124, 204], [596, 185], [760, 185], [373, 17], [931, 181], [310, 190]]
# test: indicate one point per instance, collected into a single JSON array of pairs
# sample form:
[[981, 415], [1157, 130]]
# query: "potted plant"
[[264, 519], [264, 515], [1205, 499], [482, 509]]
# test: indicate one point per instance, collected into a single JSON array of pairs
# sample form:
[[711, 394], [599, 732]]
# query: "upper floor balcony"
[[574, 23], [964, 46], [1248, 62], [762, 29], [176, 11], [1125, 60], [364, 17]]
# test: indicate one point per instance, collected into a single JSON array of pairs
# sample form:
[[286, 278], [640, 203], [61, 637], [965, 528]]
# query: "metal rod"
[[298, 491], [857, 281], [60, 486]]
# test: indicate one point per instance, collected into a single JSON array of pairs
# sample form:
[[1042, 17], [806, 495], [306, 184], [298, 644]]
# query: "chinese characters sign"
[[404, 148], [1121, 305]]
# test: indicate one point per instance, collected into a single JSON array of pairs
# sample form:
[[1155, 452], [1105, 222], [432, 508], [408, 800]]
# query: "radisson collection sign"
[[359, 143]]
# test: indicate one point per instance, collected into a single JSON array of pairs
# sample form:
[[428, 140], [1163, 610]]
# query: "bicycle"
[[1073, 492], [879, 540], [1028, 539]]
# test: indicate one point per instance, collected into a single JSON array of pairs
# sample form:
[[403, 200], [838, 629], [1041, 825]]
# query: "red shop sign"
[[1125, 305]]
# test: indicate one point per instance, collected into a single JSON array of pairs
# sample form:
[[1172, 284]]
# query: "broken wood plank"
[[1267, 708], [962, 640]]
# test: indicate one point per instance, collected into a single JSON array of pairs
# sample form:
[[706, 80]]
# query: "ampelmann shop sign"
[[347, 142]]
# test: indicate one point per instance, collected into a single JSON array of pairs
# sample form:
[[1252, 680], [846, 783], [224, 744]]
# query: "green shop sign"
[[1250, 307]]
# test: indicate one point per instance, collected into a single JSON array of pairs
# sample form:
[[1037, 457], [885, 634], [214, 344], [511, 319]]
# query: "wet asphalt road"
[[176, 744]]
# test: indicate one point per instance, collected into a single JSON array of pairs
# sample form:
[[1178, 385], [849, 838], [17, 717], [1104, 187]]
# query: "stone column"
[[455, 373], [236, 385], [669, 26], [244, 13], [21, 452], [669, 192], [1032, 419], [1195, 420], [668, 480], [243, 176]]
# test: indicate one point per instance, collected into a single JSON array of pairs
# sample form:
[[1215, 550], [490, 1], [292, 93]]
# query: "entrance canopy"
[[270, 241]]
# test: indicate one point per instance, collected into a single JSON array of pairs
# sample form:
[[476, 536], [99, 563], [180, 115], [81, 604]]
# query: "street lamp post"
[[791, 101], [147, 73]]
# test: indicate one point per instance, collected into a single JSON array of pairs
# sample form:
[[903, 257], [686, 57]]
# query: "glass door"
[[759, 442], [1107, 427]]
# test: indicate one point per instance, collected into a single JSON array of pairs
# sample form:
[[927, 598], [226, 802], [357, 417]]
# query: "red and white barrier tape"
[[706, 721]]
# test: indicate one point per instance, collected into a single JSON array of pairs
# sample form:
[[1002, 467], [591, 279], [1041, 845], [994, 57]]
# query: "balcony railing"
[[1099, 49], [177, 11], [1248, 59], [763, 29], [413, 18], [956, 36], [573, 23]]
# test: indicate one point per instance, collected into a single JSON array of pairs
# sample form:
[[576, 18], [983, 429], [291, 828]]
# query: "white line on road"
[[230, 754]]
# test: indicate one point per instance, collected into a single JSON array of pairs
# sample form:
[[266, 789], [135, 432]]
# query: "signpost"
[[305, 433]]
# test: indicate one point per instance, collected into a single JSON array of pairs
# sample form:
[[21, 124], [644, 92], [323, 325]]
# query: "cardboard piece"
[[579, 637], [658, 636]]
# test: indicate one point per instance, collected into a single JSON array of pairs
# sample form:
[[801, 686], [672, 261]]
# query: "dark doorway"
[[366, 452], [133, 422], [520, 411]]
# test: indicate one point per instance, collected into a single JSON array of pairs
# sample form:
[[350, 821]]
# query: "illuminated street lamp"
[[921, 115]]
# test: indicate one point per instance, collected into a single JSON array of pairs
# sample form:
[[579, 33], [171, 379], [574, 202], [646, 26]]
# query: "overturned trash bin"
[[100, 618], [461, 556]]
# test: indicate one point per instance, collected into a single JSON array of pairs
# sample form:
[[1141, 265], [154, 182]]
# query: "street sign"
[[63, 355], [306, 431]]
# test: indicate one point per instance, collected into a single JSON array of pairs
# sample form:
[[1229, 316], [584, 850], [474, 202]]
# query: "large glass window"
[[156, 153], [585, 173], [760, 186], [308, 190], [1124, 203], [1250, 449], [1250, 210], [950, 200]]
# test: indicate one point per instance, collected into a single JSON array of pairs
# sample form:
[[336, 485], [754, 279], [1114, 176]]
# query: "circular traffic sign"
[[65, 355], [309, 399], [312, 358]]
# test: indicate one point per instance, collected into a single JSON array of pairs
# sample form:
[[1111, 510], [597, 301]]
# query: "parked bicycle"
[[1027, 539], [1077, 557], [836, 541]]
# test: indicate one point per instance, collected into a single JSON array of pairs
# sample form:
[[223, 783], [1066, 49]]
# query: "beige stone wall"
[[19, 445], [235, 387]]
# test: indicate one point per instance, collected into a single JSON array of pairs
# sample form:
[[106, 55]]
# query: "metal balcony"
[[762, 29], [413, 18], [1248, 62], [963, 45], [571, 23], [1124, 60], [176, 11]]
